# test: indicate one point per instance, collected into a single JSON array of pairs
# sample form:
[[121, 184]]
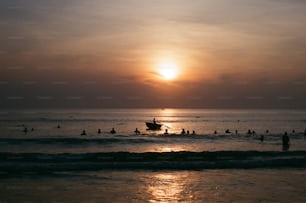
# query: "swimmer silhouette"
[[113, 131], [83, 132], [183, 131]]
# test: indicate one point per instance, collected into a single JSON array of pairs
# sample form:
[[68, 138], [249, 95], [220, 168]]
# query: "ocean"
[[51, 161]]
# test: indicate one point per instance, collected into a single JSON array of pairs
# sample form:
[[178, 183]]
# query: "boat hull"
[[153, 126]]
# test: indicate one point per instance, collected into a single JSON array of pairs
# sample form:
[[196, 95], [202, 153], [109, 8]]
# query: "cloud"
[[103, 49]]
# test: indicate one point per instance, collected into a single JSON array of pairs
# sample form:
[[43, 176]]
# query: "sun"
[[168, 70]]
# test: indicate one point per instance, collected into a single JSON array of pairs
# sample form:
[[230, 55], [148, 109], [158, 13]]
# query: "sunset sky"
[[113, 53]]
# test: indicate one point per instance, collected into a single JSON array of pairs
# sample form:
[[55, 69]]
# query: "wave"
[[43, 162], [73, 141]]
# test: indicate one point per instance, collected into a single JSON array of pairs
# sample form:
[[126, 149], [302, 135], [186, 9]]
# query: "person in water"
[[262, 137], [113, 131], [137, 132], [286, 140], [25, 130], [166, 132], [183, 132], [154, 121], [83, 133], [99, 131]]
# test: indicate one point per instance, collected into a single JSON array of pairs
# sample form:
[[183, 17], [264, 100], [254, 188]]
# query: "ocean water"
[[223, 186], [51, 164], [47, 138]]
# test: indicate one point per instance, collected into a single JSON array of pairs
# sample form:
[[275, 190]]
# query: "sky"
[[108, 53]]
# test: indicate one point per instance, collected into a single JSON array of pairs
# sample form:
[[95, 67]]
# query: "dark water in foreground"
[[256, 185], [51, 164]]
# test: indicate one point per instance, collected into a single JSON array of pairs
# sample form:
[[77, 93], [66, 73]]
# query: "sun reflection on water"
[[167, 117], [168, 187], [171, 149]]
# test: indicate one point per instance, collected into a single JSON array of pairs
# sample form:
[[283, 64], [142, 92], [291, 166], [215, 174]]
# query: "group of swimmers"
[[183, 132], [187, 132], [25, 130], [137, 132], [285, 137], [113, 131]]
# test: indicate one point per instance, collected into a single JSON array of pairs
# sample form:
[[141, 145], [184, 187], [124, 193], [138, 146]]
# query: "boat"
[[153, 126]]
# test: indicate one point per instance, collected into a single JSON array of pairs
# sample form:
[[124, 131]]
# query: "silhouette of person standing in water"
[[262, 137], [249, 132], [137, 132], [286, 141]]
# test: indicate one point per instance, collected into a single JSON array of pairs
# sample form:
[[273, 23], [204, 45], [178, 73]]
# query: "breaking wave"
[[43, 162]]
